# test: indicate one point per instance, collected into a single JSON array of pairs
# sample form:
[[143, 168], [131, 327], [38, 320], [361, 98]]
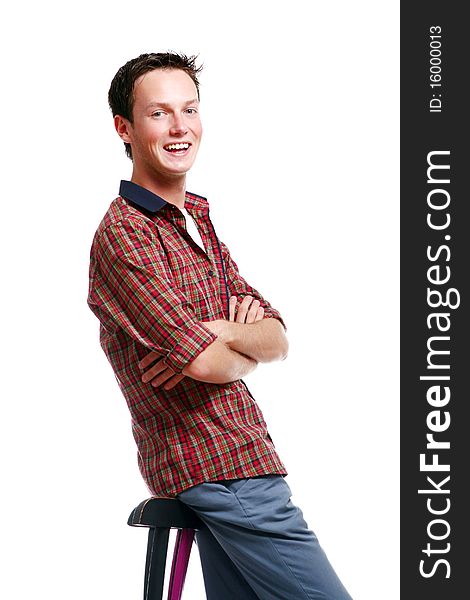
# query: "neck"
[[171, 190]]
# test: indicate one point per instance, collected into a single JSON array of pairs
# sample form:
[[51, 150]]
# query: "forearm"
[[219, 364], [263, 341], [236, 352]]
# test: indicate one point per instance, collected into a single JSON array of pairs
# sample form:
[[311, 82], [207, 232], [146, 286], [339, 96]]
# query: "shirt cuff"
[[196, 339]]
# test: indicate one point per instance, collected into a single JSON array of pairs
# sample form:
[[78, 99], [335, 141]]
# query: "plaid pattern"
[[150, 286]]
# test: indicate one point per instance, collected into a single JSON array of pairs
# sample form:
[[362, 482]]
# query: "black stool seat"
[[164, 512], [160, 515]]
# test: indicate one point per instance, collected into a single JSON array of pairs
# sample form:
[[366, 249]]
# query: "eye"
[[157, 113], [191, 111]]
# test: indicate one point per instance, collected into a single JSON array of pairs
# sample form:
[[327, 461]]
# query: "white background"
[[299, 162]]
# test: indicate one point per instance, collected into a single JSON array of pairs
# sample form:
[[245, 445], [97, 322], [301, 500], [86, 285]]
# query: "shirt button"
[[210, 272]]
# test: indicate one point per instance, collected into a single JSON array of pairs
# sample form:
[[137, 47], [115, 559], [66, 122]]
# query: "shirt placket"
[[208, 231]]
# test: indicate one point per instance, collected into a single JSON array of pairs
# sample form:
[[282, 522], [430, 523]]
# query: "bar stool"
[[161, 515]]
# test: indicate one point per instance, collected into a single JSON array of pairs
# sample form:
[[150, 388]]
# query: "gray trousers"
[[257, 545]]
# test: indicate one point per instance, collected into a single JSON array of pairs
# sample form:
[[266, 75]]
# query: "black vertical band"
[[435, 255]]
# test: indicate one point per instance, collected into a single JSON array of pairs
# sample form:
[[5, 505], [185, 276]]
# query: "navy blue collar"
[[141, 197]]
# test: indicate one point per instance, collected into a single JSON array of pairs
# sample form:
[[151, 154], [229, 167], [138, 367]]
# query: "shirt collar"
[[145, 199], [141, 197]]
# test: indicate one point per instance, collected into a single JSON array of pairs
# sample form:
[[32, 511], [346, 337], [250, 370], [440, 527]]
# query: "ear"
[[122, 127]]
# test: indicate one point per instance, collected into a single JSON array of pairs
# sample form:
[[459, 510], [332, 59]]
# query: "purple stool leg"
[[179, 565]]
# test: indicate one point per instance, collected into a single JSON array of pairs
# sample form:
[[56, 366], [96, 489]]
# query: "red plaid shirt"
[[150, 286]]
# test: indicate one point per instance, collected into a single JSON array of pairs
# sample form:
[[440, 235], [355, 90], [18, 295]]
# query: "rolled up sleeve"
[[238, 286], [133, 291]]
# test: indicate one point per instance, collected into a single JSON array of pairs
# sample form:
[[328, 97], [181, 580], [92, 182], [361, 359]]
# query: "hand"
[[249, 310], [159, 373]]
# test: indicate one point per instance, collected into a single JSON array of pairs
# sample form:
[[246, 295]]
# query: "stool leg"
[[157, 547], [179, 566]]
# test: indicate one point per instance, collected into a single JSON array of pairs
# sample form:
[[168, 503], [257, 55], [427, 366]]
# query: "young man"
[[181, 327]]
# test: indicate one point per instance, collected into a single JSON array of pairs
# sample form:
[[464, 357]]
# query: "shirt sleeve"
[[134, 289], [239, 287]]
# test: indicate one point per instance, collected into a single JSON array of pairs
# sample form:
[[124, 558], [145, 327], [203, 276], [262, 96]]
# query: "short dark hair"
[[121, 91]]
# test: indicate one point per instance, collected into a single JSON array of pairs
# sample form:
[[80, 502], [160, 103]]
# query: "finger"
[[252, 311], [232, 305], [163, 377], [153, 371], [260, 314], [173, 381], [148, 359], [243, 309]]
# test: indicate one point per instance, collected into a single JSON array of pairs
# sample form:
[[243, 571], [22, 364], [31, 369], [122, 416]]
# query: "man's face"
[[166, 112]]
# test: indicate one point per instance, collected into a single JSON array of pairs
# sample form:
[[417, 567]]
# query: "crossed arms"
[[243, 341]]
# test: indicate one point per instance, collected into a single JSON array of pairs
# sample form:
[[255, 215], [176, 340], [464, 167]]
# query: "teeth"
[[182, 146]]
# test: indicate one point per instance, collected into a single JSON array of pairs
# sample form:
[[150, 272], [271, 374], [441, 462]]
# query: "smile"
[[179, 148]]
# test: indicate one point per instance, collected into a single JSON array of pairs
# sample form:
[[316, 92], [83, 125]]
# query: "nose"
[[178, 126]]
